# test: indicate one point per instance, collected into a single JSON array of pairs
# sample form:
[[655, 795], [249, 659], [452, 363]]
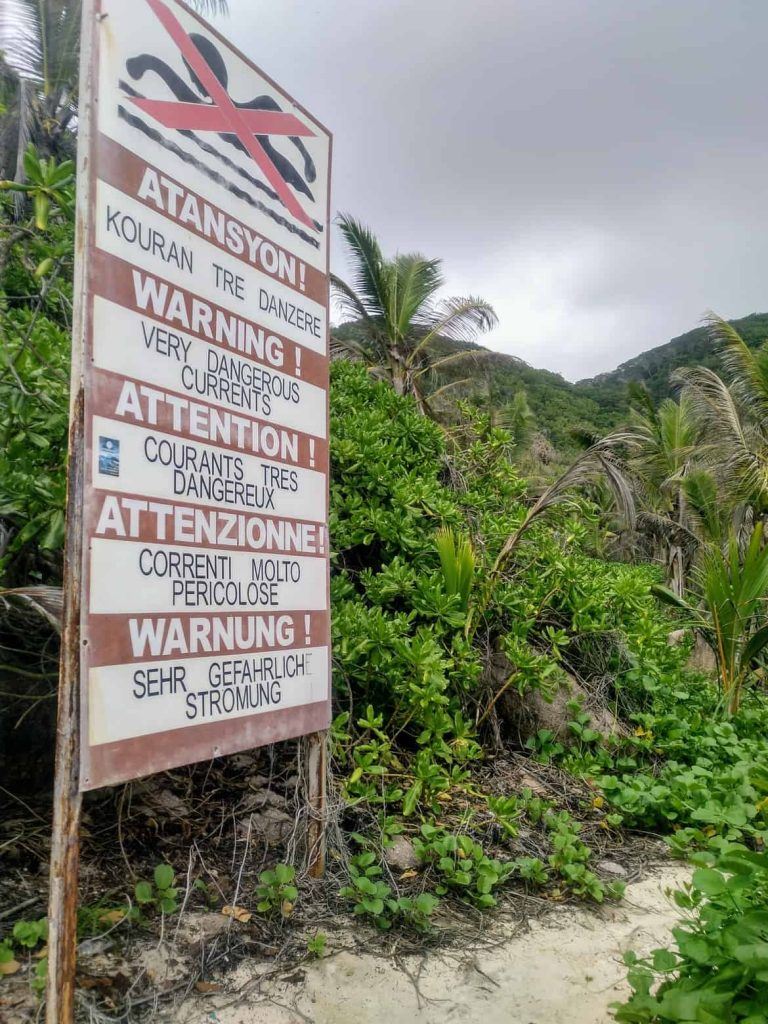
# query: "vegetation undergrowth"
[[466, 603]]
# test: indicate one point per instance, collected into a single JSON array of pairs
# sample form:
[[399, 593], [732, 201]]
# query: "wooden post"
[[315, 746], [67, 800], [65, 845]]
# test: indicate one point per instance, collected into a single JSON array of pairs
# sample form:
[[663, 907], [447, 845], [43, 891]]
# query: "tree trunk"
[[19, 199], [676, 570]]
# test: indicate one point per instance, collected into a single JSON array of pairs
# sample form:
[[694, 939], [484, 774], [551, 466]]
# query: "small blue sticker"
[[109, 456]]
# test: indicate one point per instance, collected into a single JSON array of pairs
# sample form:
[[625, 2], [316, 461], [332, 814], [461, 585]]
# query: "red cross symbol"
[[222, 115]]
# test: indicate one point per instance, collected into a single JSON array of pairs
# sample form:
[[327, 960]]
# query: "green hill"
[[594, 405], [654, 367], [494, 378]]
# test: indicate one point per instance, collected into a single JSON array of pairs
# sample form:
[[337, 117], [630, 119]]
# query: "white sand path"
[[563, 969]]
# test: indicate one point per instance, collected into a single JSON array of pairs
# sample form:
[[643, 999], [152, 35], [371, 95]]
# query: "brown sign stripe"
[[125, 171], [111, 636], [113, 279], [109, 763], [232, 530], [257, 435]]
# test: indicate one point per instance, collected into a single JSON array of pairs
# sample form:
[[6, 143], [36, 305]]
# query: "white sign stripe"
[[128, 576], [140, 235], [146, 698], [171, 468], [137, 346]]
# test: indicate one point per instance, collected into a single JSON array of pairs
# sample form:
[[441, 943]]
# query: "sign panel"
[[205, 607]]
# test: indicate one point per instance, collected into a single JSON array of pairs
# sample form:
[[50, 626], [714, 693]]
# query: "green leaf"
[[284, 873], [664, 960], [143, 891], [678, 1005], [754, 646], [709, 881], [163, 876], [412, 798]]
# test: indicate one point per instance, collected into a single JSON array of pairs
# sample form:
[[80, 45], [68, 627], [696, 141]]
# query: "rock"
[[272, 825], [257, 781], [260, 799], [401, 856], [535, 785], [702, 657], [162, 967], [610, 867], [152, 801], [245, 759], [531, 711], [95, 946], [202, 928], [555, 715]]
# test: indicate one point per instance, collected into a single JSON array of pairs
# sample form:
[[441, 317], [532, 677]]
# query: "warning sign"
[[205, 609]]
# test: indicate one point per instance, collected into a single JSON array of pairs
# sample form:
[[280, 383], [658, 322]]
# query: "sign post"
[[196, 565]]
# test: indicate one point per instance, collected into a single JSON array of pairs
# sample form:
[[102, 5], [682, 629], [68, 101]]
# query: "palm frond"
[[368, 267], [416, 280], [584, 437], [210, 7], [458, 319], [347, 348], [754, 647], [671, 532], [431, 395], [42, 42], [48, 602], [599, 458], [729, 452], [21, 37], [640, 399], [516, 418], [747, 374], [703, 504], [468, 356], [674, 600], [346, 300]]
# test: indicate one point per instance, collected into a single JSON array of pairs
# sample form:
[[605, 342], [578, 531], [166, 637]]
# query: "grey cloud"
[[596, 169]]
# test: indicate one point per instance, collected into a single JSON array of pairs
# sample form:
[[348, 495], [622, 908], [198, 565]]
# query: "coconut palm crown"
[[396, 306]]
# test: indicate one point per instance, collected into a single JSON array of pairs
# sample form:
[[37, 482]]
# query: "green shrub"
[[718, 970], [460, 863], [160, 892], [277, 892]]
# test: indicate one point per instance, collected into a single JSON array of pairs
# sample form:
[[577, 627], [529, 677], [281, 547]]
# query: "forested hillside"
[[653, 368], [492, 380], [592, 405]]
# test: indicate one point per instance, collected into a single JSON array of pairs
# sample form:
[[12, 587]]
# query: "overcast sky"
[[597, 169]]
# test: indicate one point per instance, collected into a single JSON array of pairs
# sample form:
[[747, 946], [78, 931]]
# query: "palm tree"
[[734, 413], [39, 41], [516, 417], [665, 443], [734, 589], [600, 460], [400, 317]]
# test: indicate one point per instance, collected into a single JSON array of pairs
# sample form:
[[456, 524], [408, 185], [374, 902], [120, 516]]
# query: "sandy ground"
[[564, 969]]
